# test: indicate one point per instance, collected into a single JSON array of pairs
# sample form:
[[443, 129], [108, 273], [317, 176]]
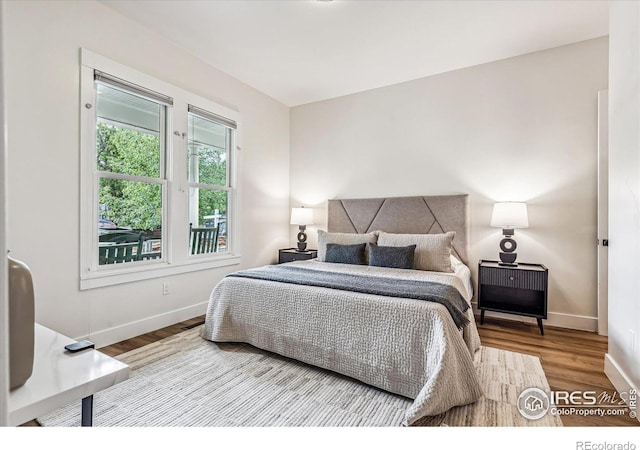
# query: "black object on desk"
[[520, 289], [80, 345]]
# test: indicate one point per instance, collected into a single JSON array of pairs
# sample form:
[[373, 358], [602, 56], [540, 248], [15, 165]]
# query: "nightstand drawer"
[[513, 278], [291, 254], [289, 257]]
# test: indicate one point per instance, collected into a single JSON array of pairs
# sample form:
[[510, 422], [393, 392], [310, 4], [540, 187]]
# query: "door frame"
[[603, 213]]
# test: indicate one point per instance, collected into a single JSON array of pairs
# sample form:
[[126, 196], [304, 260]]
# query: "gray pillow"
[[325, 238], [345, 254], [433, 251], [395, 257]]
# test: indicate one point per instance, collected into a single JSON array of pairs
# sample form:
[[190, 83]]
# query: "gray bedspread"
[[430, 291], [405, 346]]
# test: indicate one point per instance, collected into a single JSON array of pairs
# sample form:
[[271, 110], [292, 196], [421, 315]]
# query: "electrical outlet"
[[165, 288], [632, 341]]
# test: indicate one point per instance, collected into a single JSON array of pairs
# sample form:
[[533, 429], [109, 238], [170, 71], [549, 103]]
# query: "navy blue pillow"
[[394, 257], [345, 254]]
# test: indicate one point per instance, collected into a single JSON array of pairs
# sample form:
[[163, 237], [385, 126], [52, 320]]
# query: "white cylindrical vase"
[[21, 323]]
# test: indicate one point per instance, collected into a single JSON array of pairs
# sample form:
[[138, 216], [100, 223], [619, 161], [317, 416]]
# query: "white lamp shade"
[[301, 216], [510, 215]]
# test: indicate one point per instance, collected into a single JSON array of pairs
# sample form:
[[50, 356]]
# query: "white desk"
[[60, 378]]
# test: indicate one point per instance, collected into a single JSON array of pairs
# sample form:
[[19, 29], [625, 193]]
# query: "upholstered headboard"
[[410, 215]]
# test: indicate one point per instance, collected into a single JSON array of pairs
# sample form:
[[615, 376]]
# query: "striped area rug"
[[185, 380]]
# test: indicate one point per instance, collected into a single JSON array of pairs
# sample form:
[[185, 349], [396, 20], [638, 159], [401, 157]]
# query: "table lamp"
[[509, 215]]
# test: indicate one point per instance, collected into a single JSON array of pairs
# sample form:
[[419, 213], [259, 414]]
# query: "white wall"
[[4, 296], [43, 42], [523, 128], [622, 363]]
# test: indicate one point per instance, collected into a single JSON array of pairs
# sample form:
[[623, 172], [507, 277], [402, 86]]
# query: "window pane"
[[128, 133], [130, 221], [208, 142], [207, 220]]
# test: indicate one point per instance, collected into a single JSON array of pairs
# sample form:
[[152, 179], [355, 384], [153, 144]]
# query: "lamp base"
[[302, 238], [508, 259]]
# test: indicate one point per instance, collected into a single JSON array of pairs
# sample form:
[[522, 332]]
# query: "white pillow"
[[325, 238], [455, 262], [433, 251]]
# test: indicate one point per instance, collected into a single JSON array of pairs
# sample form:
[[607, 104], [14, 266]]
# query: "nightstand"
[[293, 254], [520, 289]]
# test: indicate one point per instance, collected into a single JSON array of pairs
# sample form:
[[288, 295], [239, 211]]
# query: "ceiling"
[[307, 50]]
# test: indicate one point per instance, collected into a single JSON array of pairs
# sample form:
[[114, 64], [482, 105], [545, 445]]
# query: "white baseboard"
[[573, 321], [562, 320], [132, 329], [618, 377]]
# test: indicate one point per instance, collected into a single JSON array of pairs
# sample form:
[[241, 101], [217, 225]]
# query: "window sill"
[[91, 280]]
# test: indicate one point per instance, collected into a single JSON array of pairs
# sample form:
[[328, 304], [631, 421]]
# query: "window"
[[130, 159], [158, 168], [210, 139]]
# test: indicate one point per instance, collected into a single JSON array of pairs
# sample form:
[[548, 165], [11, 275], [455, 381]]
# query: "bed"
[[349, 319]]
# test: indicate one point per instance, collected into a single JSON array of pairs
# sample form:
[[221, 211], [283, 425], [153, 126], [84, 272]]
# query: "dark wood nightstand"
[[293, 254], [520, 289]]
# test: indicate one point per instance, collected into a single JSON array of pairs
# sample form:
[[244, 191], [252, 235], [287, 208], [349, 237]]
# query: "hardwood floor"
[[572, 360], [148, 338]]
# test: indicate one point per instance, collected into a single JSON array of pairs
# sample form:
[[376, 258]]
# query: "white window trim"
[[176, 256], [230, 178]]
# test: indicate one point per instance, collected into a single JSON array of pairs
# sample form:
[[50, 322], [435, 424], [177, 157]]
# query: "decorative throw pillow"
[[395, 257], [325, 238], [433, 251], [345, 254]]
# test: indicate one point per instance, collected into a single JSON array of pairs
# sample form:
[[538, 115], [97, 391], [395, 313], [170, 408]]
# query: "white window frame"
[[176, 256], [228, 187], [161, 179]]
